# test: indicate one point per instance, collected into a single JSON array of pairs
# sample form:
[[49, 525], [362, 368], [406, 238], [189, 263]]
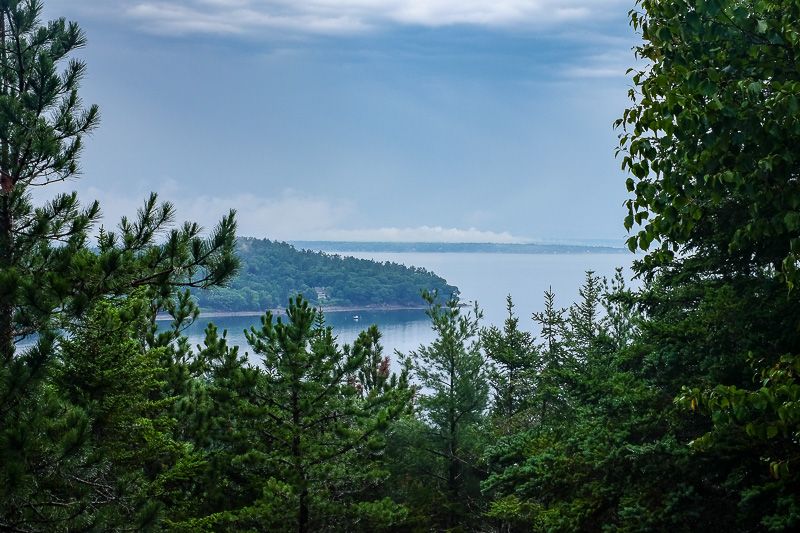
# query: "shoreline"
[[282, 311]]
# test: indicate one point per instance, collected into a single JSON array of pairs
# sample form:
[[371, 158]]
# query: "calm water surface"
[[485, 278]]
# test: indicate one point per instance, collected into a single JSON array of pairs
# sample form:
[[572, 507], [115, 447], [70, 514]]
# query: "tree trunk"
[[6, 262], [453, 471], [297, 453], [302, 518], [6, 221], [511, 391]]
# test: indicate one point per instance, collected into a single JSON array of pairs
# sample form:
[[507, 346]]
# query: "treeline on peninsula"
[[271, 272]]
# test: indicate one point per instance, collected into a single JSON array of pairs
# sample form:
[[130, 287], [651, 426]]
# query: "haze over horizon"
[[353, 120]]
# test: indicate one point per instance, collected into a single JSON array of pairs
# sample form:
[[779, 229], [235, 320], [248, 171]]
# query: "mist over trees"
[[671, 407]]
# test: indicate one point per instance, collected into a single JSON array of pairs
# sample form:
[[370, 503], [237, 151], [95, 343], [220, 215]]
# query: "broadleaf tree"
[[710, 141]]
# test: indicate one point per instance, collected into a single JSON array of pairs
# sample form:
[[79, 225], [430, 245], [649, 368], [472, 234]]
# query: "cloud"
[[420, 234], [607, 65], [193, 17], [232, 17], [288, 216]]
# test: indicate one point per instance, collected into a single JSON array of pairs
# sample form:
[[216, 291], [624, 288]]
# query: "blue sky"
[[432, 120]]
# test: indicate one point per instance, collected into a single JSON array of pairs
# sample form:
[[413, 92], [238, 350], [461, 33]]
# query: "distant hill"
[[449, 247], [271, 272]]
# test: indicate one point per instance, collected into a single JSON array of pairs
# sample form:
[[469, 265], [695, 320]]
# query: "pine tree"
[[620, 313], [584, 322], [315, 416], [48, 272], [374, 375], [42, 125], [514, 363], [556, 360], [219, 416], [116, 381], [454, 394], [51, 277]]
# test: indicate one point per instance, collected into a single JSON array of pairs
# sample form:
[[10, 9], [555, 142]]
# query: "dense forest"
[[672, 407], [272, 272]]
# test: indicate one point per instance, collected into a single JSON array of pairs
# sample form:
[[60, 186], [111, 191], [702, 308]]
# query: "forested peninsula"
[[271, 272]]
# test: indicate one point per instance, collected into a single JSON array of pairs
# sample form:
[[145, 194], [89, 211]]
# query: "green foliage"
[[589, 420], [272, 272], [318, 418], [761, 422], [62, 456], [619, 311], [556, 361], [97, 436], [514, 362], [454, 394], [710, 142], [674, 407], [710, 138]]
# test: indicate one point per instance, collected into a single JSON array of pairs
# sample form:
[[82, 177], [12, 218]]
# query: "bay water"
[[483, 277]]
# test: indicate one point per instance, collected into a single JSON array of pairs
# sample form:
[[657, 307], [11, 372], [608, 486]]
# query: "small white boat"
[[356, 318]]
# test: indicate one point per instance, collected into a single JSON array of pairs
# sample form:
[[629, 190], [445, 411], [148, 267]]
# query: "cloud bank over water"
[[422, 234]]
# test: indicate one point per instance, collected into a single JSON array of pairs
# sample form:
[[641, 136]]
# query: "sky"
[[402, 120]]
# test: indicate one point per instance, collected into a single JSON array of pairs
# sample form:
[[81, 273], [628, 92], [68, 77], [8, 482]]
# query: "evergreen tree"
[[556, 360], [41, 130], [454, 395], [584, 319], [374, 374], [315, 417], [51, 279], [514, 362], [620, 314], [119, 464]]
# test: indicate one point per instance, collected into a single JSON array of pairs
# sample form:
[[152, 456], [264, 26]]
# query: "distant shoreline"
[[345, 247], [282, 311]]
